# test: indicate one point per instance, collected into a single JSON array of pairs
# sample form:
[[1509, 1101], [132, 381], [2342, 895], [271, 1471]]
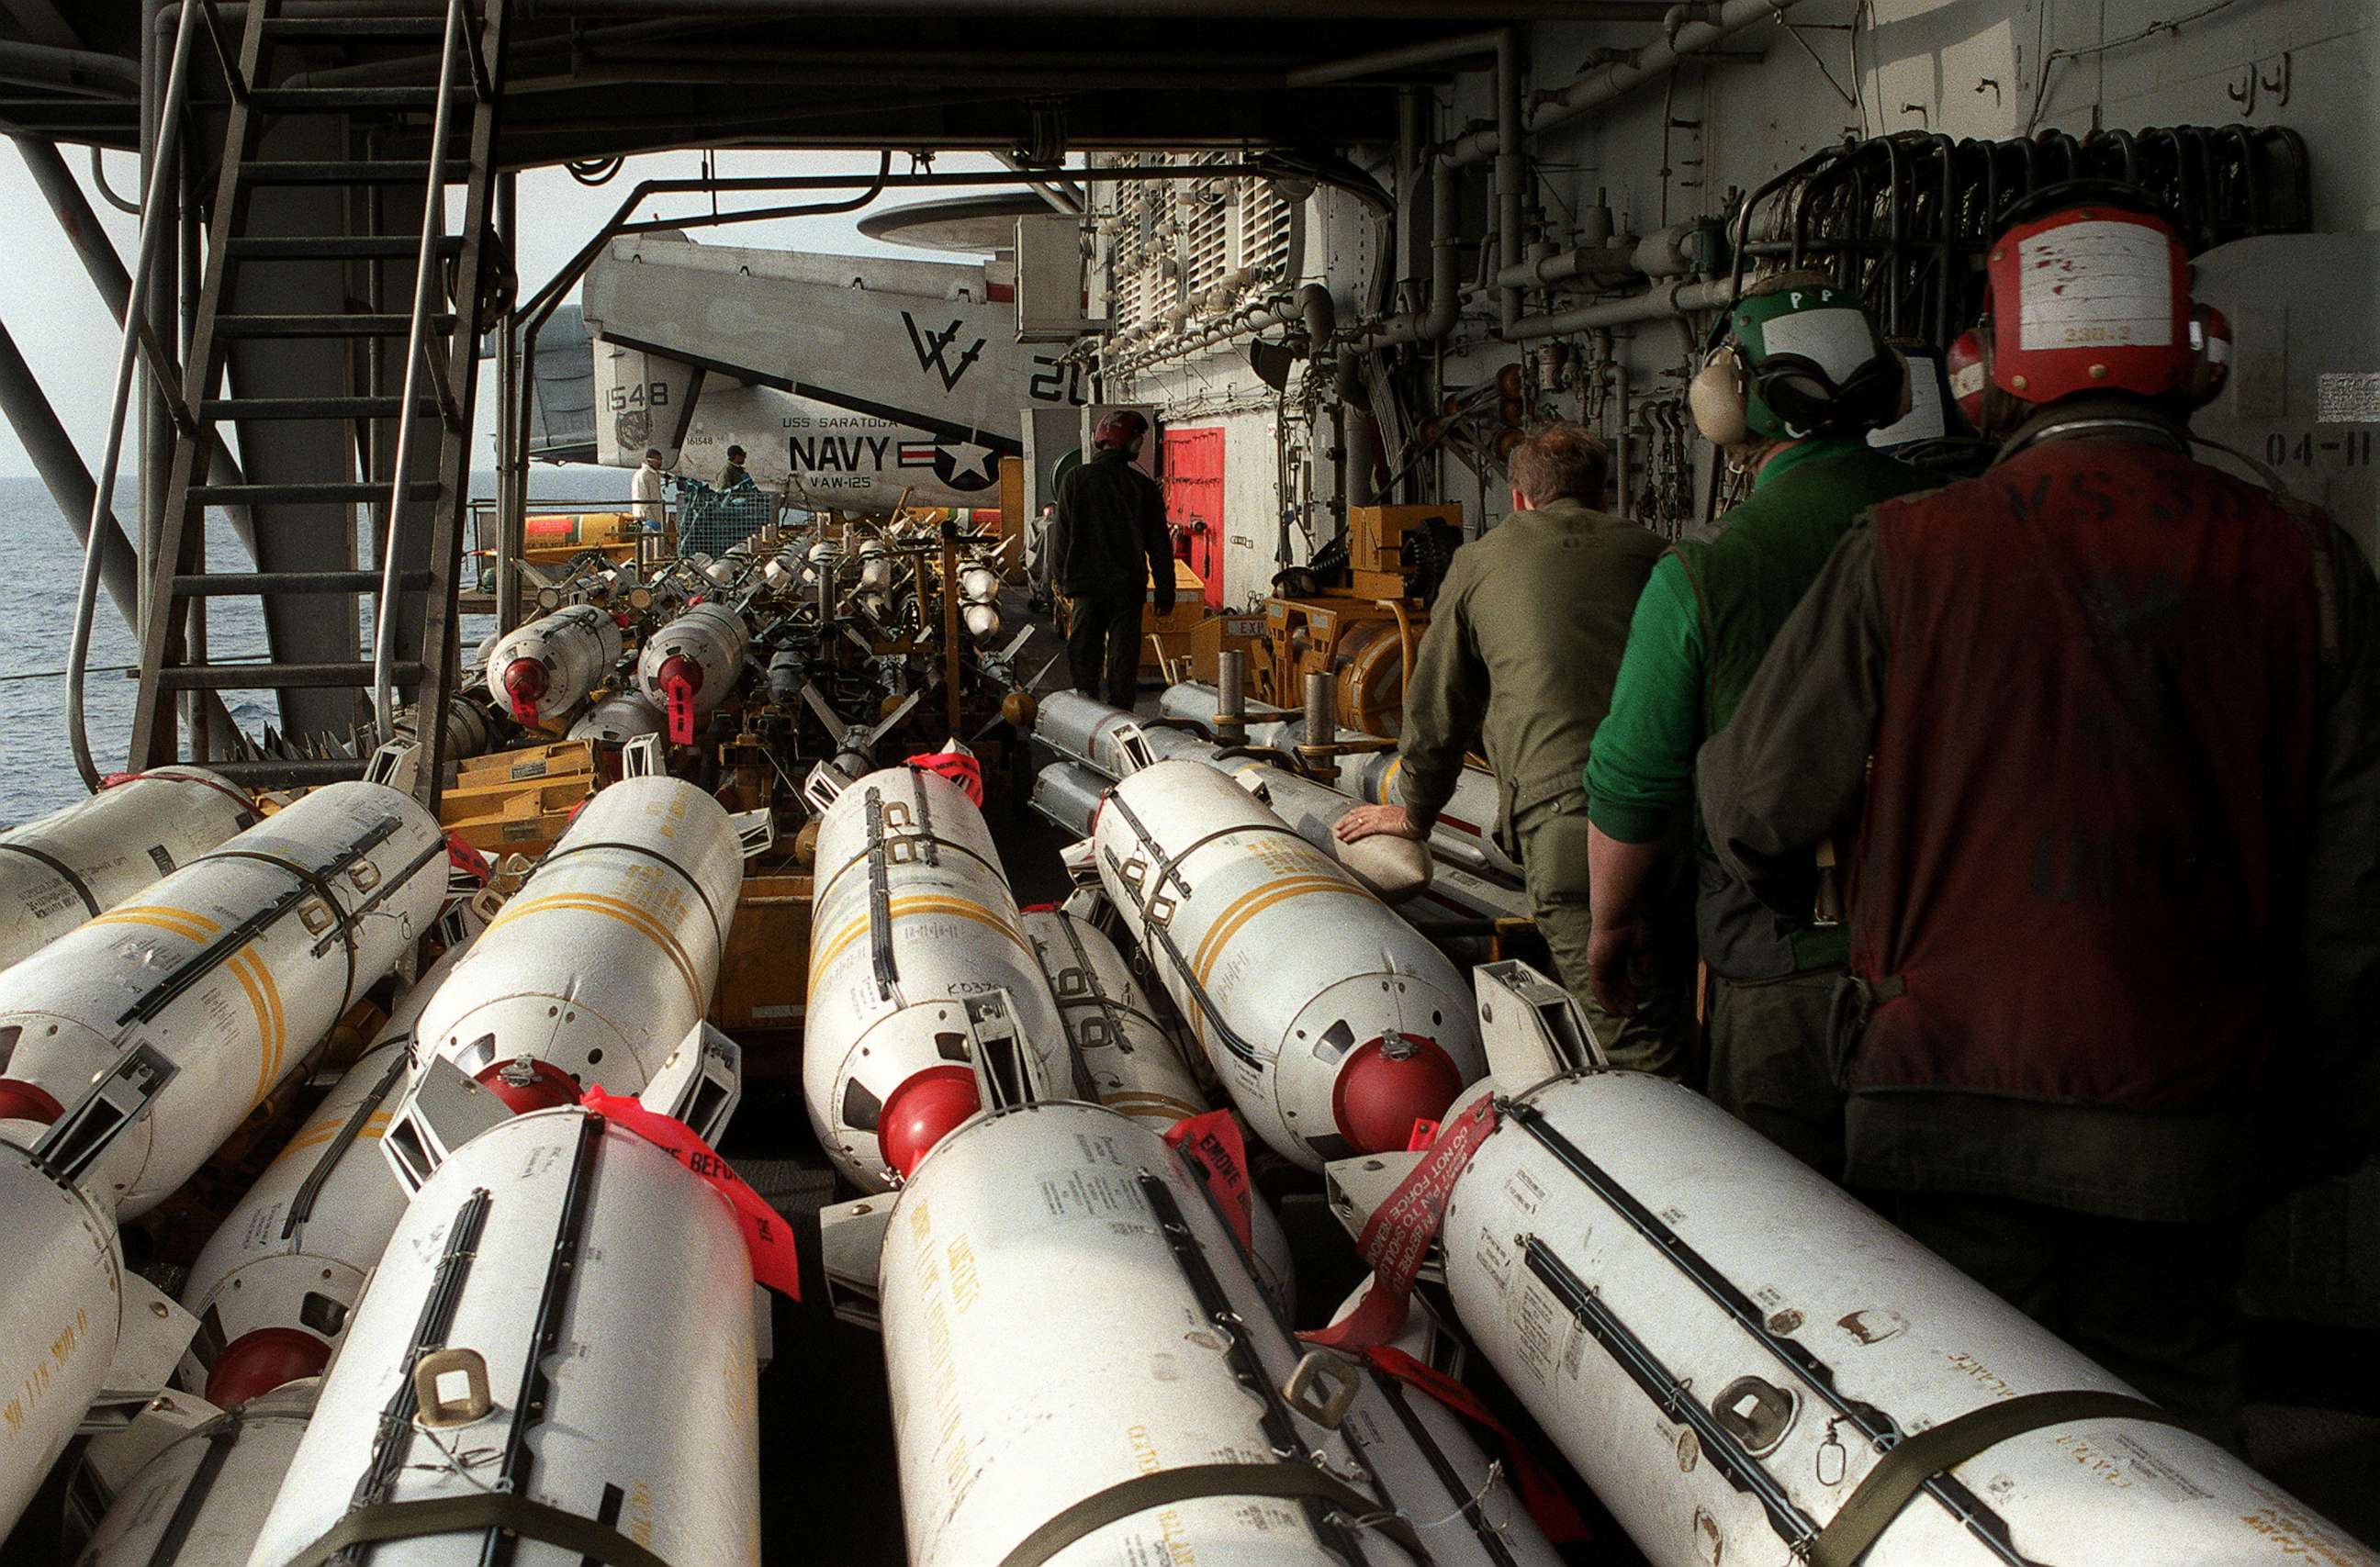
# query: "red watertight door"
[[1194, 501]]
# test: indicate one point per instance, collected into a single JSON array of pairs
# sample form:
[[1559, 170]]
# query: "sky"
[[66, 334]]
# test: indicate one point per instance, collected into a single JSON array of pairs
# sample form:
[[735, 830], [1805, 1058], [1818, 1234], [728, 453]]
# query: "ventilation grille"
[[1177, 240]]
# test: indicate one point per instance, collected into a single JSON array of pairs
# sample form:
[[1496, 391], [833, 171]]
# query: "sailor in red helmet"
[[2097, 737], [1108, 550]]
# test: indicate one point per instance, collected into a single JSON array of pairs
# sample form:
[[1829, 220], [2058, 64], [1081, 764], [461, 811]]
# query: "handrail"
[[154, 228], [425, 278]]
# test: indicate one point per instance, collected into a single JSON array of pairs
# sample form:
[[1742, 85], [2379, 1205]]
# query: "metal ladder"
[[451, 307]]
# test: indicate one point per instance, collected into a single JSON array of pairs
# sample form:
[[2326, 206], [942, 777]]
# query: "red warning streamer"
[[960, 767], [1545, 1501], [768, 1238], [1399, 1234], [1217, 1152]]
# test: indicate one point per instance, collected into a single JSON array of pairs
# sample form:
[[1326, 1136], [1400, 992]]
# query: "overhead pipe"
[[1508, 172], [1279, 310], [42, 64], [1436, 320], [1321, 314], [1437, 51], [1667, 301], [1568, 266], [1064, 196], [1606, 82], [1407, 272]]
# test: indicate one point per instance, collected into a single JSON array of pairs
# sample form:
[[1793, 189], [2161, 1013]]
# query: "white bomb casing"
[[226, 1471], [1333, 1024], [62, 1309], [1714, 1335], [1130, 1057], [911, 914], [1132, 1062], [1068, 793], [593, 1304], [59, 869], [596, 969], [275, 1282], [1015, 1402], [620, 718], [691, 665], [1467, 825], [215, 984], [1427, 885], [544, 670]]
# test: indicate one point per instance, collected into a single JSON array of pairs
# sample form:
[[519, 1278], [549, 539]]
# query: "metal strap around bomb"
[[1290, 1481], [311, 883], [533, 1402], [301, 1207], [1303, 1472], [1210, 1016], [880, 901], [821, 891], [1674, 1397], [395, 1432], [1881, 1429], [925, 818], [59, 869], [1110, 1008], [1156, 929], [219, 1436], [1466, 1499], [718, 930], [248, 812], [509, 1511], [1168, 869], [1885, 1489], [1085, 1087]]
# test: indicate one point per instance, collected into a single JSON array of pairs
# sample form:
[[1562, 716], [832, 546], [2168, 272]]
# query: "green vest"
[[1747, 582]]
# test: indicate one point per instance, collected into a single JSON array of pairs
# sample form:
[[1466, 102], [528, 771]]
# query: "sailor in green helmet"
[[1797, 378]]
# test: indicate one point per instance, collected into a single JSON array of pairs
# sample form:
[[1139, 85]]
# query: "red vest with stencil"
[[2075, 877]]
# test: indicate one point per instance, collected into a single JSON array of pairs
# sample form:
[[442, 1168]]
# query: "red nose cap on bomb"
[[924, 1109], [524, 1083], [259, 1361], [1385, 1085], [525, 688], [27, 1101]]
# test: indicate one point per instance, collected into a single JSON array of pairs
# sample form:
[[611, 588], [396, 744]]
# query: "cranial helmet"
[[1799, 358], [1121, 428], [2086, 290]]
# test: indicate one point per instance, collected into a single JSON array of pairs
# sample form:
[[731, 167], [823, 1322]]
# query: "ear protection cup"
[[2210, 355], [1718, 396], [1968, 361], [1904, 395]]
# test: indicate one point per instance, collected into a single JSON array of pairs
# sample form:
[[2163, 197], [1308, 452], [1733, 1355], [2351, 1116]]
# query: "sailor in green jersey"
[[1790, 394]]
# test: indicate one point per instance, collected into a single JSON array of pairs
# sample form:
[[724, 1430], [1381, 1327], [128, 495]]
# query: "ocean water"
[[42, 562]]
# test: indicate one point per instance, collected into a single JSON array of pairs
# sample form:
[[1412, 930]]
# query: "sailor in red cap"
[[1108, 550]]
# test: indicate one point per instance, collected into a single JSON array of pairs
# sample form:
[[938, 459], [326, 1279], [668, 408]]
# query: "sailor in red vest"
[[2098, 734]]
